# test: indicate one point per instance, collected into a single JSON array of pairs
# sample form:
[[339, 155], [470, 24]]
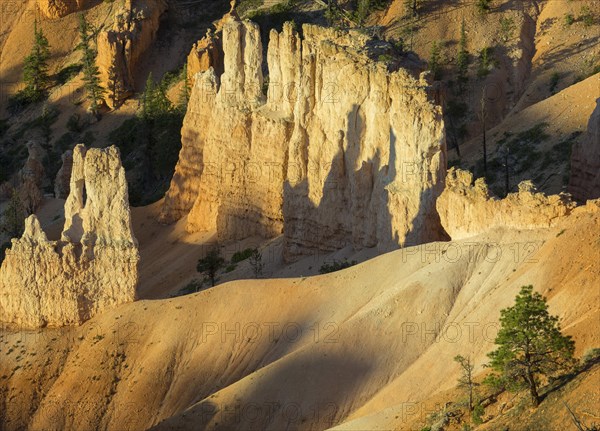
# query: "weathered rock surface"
[[467, 209], [58, 8], [30, 178], [121, 47], [63, 176], [92, 267], [339, 152], [585, 161]]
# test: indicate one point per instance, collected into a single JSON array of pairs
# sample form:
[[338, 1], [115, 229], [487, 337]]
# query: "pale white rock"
[[340, 151], [95, 264], [467, 209]]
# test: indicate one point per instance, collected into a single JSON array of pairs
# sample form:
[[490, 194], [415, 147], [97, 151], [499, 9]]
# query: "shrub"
[[587, 17], [569, 19], [336, 266], [483, 6], [239, 256], [554, 79]]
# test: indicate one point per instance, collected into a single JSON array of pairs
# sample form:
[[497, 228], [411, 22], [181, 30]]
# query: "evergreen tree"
[[114, 85], [466, 379], [35, 71], [91, 74], [434, 60], [211, 264], [462, 61], [530, 343], [184, 93]]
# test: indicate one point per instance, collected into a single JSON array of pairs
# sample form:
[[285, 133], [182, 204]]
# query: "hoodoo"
[[92, 267], [334, 151]]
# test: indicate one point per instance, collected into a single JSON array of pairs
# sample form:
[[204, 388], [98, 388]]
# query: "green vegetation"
[[486, 61], [336, 265], [554, 79], [483, 6], [35, 73], [569, 19], [587, 16], [530, 345], [240, 256], [91, 74], [210, 264], [151, 141], [466, 381], [434, 60], [256, 263], [507, 28]]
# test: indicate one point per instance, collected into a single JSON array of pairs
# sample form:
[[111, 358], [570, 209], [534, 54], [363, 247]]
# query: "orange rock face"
[[585, 161]]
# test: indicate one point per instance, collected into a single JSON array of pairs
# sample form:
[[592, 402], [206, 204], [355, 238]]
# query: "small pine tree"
[[210, 264], [466, 378], [114, 85], [412, 8], [434, 60], [35, 71], [256, 263], [184, 93], [530, 343], [462, 61], [91, 74]]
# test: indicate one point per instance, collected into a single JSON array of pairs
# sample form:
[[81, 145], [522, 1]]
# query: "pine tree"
[[35, 72], [434, 60], [462, 61], [530, 343], [114, 85], [91, 74], [184, 93], [466, 379]]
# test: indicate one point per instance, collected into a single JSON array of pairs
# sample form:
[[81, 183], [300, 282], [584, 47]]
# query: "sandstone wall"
[[339, 151], [467, 209], [121, 47], [92, 267], [58, 8], [585, 161]]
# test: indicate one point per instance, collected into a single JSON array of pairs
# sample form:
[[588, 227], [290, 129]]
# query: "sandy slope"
[[305, 353]]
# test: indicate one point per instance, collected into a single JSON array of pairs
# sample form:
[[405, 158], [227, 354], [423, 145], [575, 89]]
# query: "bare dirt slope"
[[304, 353]]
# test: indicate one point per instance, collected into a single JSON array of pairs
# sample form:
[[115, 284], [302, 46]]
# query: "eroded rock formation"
[[338, 152], [31, 177], [467, 209], [121, 47], [585, 161], [58, 8], [63, 176], [92, 267]]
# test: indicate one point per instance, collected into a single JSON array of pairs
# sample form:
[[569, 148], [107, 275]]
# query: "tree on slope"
[[35, 71], [91, 74], [531, 344], [462, 60]]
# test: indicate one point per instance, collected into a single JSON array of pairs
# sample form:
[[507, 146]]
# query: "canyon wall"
[[121, 47], [585, 161], [338, 152], [467, 209], [94, 264], [58, 8]]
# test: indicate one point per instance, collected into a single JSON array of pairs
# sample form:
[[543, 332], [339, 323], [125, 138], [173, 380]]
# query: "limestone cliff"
[[92, 267], [338, 152], [467, 209], [585, 161], [58, 8], [121, 47]]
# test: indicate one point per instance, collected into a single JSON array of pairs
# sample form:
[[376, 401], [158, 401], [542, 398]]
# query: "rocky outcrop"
[[58, 8], [121, 47], [467, 209], [585, 161], [63, 176], [338, 152], [92, 267], [31, 177]]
